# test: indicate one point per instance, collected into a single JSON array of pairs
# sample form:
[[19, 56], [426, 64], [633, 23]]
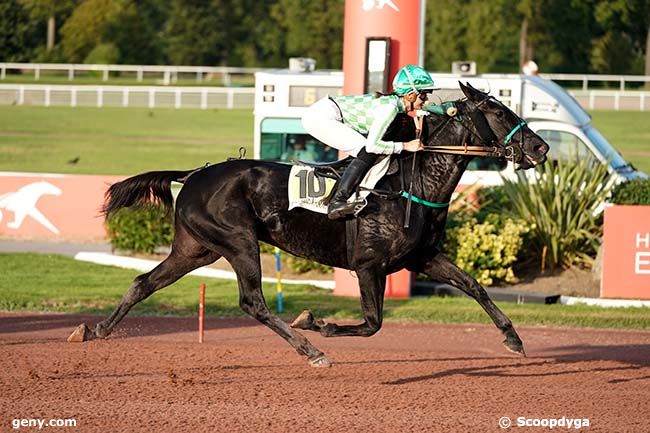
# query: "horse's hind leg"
[[440, 269], [245, 260], [186, 255], [373, 284]]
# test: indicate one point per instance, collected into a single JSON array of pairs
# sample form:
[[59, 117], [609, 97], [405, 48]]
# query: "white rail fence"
[[612, 100], [585, 79], [229, 97], [168, 73], [127, 96]]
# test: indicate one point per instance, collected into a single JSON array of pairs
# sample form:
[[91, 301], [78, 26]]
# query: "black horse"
[[224, 210]]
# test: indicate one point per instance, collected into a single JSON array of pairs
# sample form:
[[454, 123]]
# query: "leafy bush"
[[103, 54], [563, 205], [141, 230], [487, 250], [633, 192]]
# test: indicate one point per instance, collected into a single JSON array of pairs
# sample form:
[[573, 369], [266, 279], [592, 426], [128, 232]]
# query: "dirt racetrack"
[[153, 376]]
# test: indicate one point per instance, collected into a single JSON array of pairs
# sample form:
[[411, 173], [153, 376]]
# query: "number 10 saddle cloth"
[[309, 188]]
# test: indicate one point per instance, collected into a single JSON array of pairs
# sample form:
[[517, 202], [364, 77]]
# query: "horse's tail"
[[153, 187]]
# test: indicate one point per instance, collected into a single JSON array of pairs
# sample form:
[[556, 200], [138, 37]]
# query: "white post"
[[71, 73], [37, 73], [204, 99], [21, 95], [616, 101], [152, 97], [231, 98], [73, 97], [199, 76], [140, 74], [166, 77], [591, 100], [622, 84], [422, 25], [105, 74], [3, 73], [100, 97], [177, 98], [125, 97], [642, 102], [585, 83], [47, 96], [226, 79]]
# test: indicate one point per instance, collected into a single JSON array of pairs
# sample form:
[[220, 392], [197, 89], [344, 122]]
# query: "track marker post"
[[278, 273], [201, 313]]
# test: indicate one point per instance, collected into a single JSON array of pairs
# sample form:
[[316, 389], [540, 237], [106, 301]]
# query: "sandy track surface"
[[153, 376]]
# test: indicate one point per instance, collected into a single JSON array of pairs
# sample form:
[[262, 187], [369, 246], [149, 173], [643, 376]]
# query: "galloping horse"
[[224, 210]]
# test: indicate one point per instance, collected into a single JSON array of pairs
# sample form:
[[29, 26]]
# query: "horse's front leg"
[[440, 269], [373, 283]]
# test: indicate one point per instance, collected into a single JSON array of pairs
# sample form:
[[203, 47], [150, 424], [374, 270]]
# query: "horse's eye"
[[499, 114]]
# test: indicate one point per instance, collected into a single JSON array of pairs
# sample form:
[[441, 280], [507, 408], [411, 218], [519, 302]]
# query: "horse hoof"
[[515, 346], [320, 362], [304, 321], [80, 334]]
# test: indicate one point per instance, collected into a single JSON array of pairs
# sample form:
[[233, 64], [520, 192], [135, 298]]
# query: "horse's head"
[[499, 127]]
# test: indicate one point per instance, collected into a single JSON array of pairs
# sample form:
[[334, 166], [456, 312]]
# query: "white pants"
[[323, 121]]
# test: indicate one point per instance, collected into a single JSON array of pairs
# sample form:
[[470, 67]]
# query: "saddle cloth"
[[309, 190]]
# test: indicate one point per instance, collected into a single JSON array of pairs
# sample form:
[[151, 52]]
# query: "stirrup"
[[350, 208]]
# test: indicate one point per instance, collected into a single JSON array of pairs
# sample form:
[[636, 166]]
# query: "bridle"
[[491, 147]]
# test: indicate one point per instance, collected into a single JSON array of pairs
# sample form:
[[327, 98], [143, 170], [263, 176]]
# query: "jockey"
[[357, 124]]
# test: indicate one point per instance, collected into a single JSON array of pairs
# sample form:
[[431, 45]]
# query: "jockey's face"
[[416, 100]]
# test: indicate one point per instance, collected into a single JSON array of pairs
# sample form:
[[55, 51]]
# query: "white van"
[[282, 95]]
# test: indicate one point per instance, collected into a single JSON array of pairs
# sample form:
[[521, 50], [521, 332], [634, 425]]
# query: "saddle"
[[335, 169]]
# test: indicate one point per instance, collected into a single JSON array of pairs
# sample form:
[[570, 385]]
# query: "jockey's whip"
[[418, 131]]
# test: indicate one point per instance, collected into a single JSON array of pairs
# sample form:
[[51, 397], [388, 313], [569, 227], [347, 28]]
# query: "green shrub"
[[103, 54], [140, 230], [487, 250], [636, 192], [563, 205]]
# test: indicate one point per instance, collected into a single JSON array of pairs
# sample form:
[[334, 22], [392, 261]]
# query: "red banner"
[[626, 254], [52, 206]]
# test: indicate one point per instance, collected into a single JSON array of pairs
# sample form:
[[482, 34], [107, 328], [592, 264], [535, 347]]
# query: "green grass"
[[629, 132], [118, 140], [126, 141], [33, 282]]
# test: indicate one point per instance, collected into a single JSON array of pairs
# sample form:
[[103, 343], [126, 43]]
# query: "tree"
[[559, 33], [311, 29], [111, 22], [445, 34], [621, 37], [198, 32], [17, 36], [48, 11]]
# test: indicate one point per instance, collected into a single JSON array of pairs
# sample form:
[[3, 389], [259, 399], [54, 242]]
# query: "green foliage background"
[[602, 36]]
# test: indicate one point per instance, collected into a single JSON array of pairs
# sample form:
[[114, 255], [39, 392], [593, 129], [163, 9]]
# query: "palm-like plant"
[[562, 200]]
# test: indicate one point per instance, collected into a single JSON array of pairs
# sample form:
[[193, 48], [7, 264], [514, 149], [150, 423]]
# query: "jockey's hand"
[[413, 146]]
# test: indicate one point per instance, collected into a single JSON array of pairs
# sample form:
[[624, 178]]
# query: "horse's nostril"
[[540, 148]]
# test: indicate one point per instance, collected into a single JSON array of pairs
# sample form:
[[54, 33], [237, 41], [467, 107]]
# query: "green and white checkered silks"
[[361, 112]]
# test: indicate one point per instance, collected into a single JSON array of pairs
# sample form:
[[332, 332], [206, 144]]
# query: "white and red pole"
[[201, 313]]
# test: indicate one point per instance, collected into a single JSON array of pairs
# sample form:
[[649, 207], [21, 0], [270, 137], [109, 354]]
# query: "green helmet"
[[411, 78]]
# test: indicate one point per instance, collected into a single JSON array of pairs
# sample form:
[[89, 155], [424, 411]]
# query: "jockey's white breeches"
[[323, 121]]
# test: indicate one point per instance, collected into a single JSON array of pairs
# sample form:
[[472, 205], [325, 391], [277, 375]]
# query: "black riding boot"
[[338, 206]]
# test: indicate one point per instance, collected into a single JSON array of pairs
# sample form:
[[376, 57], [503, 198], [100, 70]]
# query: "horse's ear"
[[471, 93]]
